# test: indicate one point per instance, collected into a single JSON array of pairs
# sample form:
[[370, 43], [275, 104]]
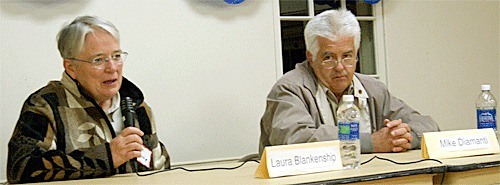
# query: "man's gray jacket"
[[293, 115]]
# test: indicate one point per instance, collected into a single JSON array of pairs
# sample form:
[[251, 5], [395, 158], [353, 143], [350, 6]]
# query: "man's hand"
[[400, 133], [126, 146], [395, 137]]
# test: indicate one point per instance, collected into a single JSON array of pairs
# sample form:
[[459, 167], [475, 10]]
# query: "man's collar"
[[359, 90], [356, 88], [310, 83]]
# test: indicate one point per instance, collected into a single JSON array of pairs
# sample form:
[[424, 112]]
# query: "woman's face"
[[103, 83]]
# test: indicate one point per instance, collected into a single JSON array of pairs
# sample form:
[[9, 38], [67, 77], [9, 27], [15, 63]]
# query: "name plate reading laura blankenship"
[[297, 159]]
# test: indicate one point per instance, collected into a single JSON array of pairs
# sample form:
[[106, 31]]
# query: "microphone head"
[[126, 105]]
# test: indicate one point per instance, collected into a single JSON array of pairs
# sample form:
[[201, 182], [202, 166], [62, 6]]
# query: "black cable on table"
[[195, 170], [400, 163], [412, 162]]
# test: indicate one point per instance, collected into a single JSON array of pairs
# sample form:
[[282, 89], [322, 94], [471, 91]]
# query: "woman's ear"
[[70, 68]]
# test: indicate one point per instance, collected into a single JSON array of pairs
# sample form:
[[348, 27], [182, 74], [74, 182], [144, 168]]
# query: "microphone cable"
[[194, 170], [411, 162], [400, 163], [257, 161]]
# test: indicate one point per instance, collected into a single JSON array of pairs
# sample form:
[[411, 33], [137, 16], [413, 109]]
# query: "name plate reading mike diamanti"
[[295, 159], [459, 143]]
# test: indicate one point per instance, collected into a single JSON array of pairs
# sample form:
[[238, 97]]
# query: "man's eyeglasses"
[[99, 62], [330, 63]]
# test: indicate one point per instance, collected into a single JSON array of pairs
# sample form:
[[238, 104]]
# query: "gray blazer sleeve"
[[390, 107], [291, 117]]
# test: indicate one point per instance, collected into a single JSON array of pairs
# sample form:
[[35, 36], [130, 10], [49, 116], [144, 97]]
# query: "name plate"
[[459, 143], [295, 159]]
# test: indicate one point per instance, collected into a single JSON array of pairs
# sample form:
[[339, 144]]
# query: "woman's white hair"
[[71, 38], [331, 24]]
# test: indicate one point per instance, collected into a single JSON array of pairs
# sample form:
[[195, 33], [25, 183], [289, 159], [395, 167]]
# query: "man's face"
[[338, 78], [103, 83]]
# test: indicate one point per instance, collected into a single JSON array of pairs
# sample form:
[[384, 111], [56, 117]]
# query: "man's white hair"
[[331, 24]]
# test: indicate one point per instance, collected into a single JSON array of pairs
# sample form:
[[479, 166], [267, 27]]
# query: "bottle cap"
[[485, 87], [348, 98]]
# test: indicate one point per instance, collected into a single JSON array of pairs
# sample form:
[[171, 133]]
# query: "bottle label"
[[348, 130], [486, 118]]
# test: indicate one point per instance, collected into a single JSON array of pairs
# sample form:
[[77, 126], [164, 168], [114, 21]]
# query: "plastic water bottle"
[[348, 121], [486, 109]]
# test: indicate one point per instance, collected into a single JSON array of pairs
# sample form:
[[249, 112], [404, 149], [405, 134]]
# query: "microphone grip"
[[128, 111], [129, 119]]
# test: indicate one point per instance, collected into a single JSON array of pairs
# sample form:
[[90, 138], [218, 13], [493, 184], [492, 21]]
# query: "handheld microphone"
[[128, 111]]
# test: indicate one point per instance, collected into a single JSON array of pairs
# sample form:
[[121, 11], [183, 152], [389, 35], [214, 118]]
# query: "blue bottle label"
[[348, 130], [486, 118]]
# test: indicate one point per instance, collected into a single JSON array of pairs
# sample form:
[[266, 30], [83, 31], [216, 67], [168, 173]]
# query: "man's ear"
[[309, 57], [70, 68]]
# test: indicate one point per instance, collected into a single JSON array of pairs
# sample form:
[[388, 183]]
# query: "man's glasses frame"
[[333, 63]]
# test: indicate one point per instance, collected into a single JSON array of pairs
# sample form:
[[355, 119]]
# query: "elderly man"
[[301, 106], [73, 128]]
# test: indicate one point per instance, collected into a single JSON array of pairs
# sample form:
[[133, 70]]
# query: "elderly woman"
[[73, 128]]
